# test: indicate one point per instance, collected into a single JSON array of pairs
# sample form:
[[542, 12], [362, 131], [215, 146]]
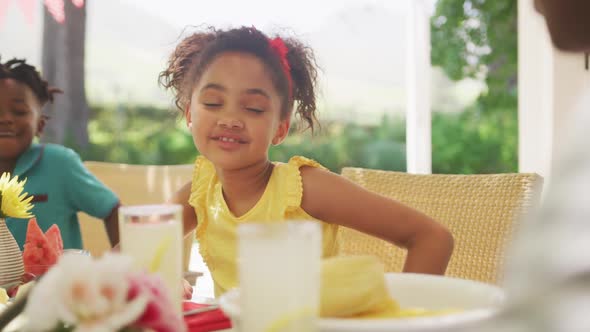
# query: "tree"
[[478, 39], [63, 66]]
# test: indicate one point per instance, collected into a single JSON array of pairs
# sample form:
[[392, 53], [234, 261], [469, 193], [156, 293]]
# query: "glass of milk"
[[152, 235], [279, 276]]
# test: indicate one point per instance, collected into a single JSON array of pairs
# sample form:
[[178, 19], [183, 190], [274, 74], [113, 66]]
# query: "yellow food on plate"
[[388, 310], [355, 287], [23, 289], [351, 285], [3, 296], [405, 313]]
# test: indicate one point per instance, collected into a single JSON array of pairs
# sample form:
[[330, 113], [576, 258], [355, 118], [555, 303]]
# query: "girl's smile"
[[229, 141]]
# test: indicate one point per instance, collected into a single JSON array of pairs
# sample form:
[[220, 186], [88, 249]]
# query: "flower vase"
[[11, 259]]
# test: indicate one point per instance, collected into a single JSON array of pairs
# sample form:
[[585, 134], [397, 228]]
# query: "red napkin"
[[207, 321]]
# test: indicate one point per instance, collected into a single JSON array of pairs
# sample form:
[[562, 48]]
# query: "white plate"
[[479, 301]]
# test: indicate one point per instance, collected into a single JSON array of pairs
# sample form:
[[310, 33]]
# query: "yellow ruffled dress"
[[217, 225]]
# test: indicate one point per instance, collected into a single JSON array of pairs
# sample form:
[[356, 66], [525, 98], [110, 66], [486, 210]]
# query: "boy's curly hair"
[[22, 72], [192, 56]]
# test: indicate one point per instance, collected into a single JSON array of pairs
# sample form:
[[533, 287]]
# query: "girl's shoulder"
[[299, 161], [203, 167], [291, 171], [289, 178], [202, 174]]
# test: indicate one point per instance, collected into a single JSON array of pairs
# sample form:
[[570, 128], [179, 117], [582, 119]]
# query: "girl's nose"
[[230, 123]]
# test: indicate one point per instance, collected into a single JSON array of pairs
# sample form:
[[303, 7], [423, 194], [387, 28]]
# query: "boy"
[[56, 178]]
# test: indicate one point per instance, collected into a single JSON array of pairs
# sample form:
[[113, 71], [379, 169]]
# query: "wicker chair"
[[134, 184], [479, 210]]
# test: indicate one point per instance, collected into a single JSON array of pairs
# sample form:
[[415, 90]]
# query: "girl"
[[237, 90]]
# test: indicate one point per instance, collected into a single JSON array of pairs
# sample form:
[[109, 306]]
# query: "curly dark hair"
[[192, 56], [21, 71]]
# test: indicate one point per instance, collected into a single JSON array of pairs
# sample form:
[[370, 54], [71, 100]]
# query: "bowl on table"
[[469, 303]]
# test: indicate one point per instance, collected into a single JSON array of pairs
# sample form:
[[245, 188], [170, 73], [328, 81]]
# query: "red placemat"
[[207, 321]]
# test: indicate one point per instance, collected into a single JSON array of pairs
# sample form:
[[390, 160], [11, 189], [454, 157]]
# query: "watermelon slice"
[[53, 235], [38, 254]]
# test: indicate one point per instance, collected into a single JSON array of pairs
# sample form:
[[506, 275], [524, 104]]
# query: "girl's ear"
[[282, 132]]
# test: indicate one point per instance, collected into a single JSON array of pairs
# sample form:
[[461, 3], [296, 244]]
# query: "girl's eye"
[[212, 105], [254, 110]]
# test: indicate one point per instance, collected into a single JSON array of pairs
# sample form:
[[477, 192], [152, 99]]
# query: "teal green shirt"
[[61, 187]]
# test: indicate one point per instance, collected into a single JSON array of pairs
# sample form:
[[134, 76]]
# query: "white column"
[[571, 81], [535, 92], [551, 84], [418, 70]]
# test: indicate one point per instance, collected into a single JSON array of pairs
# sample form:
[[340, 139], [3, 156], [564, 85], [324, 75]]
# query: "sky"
[[328, 25], [301, 15]]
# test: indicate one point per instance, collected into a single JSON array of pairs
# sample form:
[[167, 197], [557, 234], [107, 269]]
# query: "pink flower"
[[159, 314], [89, 294]]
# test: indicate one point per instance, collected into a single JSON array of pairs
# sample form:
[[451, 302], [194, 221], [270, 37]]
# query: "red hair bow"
[[278, 46]]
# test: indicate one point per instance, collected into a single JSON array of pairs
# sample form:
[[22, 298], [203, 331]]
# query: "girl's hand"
[[189, 217], [187, 290]]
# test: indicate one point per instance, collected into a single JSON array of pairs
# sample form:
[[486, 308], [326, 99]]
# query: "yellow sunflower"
[[14, 203]]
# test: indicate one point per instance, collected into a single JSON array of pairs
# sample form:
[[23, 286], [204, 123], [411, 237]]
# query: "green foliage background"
[[478, 39]]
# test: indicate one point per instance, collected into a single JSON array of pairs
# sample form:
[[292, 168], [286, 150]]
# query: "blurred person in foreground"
[[548, 269]]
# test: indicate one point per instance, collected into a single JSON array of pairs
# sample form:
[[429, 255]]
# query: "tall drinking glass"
[[279, 275], [152, 235]]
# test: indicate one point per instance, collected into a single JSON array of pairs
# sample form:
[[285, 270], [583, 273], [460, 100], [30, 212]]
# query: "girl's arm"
[[334, 199], [189, 216]]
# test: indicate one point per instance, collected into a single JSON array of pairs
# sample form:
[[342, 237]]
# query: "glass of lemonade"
[[279, 276], [152, 235]]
